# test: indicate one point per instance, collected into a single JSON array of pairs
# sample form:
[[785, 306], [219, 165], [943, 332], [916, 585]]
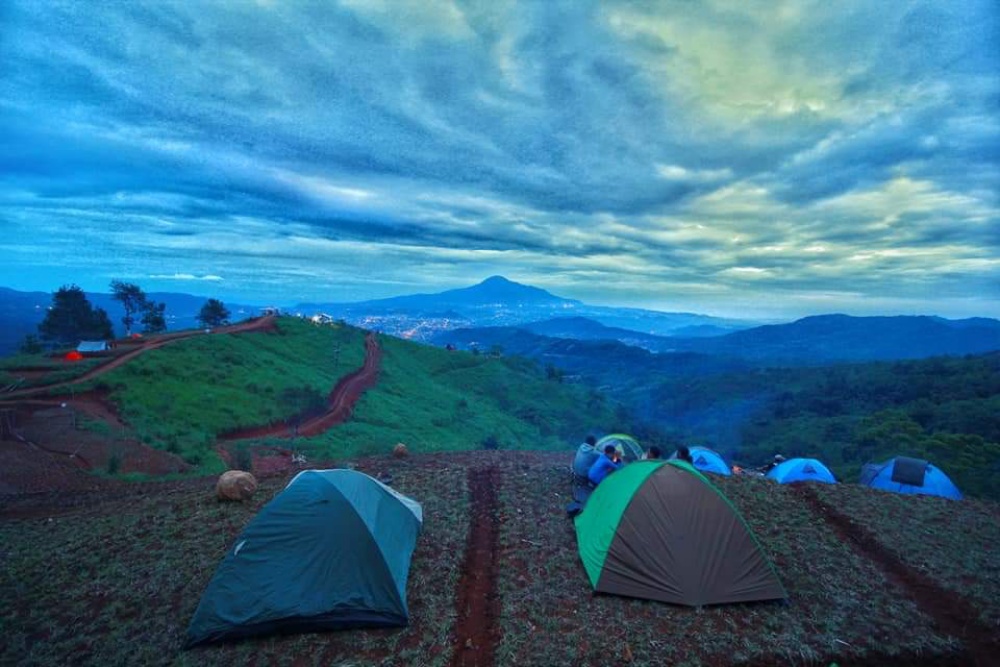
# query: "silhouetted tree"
[[133, 300], [213, 313], [31, 345], [153, 319], [71, 318]]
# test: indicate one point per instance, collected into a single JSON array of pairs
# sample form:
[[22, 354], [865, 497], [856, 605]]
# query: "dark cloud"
[[671, 140]]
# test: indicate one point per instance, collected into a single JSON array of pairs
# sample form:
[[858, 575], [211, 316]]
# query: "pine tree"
[[72, 318]]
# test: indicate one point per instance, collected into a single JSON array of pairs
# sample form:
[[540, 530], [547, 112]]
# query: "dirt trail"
[[261, 324], [478, 605], [951, 612], [340, 403]]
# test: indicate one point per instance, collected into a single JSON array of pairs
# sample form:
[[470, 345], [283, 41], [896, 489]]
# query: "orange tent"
[[73, 356]]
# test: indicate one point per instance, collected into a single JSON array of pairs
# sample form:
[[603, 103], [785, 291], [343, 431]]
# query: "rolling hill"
[[830, 338], [811, 341], [183, 397]]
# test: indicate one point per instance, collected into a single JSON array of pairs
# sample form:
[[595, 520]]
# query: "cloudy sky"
[[767, 159]]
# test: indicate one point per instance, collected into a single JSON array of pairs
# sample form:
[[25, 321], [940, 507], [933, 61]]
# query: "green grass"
[[180, 397], [434, 400]]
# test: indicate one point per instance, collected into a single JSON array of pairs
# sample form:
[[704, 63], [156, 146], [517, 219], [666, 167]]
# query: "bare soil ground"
[[477, 633], [57, 445], [953, 614], [115, 575]]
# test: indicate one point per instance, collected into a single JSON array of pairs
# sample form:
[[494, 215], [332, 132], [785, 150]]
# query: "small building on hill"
[[93, 346]]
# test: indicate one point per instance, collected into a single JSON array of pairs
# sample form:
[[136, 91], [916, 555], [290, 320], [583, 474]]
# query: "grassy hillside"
[[435, 400], [114, 579], [183, 396]]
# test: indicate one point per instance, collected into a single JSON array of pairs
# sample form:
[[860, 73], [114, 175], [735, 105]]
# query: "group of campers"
[[610, 458]]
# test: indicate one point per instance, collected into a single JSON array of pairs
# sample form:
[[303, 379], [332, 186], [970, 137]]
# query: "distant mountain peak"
[[498, 280], [500, 288]]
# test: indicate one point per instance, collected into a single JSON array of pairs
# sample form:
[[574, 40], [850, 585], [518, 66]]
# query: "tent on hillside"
[[73, 355], [331, 551], [93, 346], [801, 470], [660, 530], [626, 445], [586, 455], [707, 460], [906, 475]]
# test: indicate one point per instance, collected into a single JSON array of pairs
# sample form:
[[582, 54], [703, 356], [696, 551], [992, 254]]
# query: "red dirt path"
[[477, 633], [340, 403]]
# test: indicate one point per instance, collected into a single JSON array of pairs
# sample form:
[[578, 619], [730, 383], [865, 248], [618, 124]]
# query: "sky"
[[746, 159]]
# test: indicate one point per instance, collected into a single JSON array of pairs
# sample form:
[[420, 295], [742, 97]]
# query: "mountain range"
[[498, 301], [528, 320], [812, 340]]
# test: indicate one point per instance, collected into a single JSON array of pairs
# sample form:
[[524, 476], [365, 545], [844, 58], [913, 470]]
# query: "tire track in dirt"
[[477, 631], [340, 403], [262, 324], [951, 612]]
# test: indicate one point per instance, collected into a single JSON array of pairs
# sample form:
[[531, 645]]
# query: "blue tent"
[[801, 470], [905, 475], [331, 551], [706, 460]]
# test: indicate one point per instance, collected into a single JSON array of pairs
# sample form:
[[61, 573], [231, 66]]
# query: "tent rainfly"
[[331, 551], [911, 476], [626, 445], [660, 530], [801, 470], [707, 460]]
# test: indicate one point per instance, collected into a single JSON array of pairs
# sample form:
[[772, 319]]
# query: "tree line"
[[72, 318], [943, 409]]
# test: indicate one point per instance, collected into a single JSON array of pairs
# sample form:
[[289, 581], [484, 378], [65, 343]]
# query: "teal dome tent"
[[331, 551]]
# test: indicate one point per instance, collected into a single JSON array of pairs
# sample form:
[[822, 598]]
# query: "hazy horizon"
[[760, 161]]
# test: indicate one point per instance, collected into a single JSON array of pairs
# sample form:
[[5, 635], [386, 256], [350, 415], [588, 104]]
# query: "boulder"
[[400, 451], [236, 485]]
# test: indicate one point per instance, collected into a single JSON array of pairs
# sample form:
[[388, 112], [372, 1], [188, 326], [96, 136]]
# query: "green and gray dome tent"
[[331, 551], [660, 530]]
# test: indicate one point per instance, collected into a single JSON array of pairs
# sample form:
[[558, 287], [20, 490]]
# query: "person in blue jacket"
[[605, 464]]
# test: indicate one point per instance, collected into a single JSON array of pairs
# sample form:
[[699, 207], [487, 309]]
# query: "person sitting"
[[654, 453], [684, 454], [775, 462], [606, 463]]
